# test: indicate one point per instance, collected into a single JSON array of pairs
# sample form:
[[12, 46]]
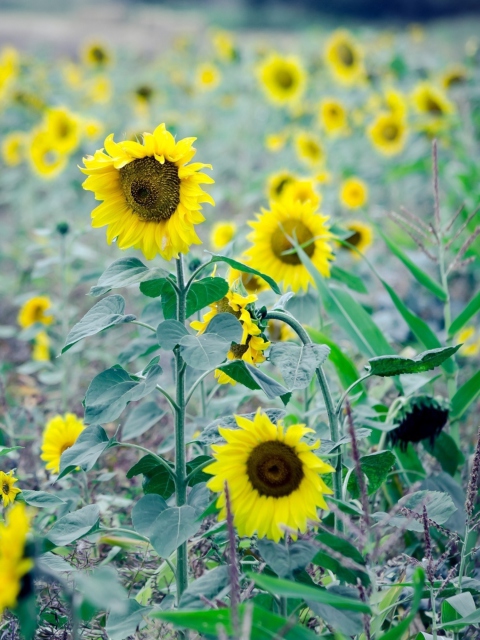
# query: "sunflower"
[[64, 129], [251, 282], [309, 148], [431, 100], [276, 141], [333, 116], [344, 57], [222, 233], [273, 477], [33, 311], [13, 148], [144, 93], [7, 490], [151, 195], [61, 433], [13, 563], [283, 79], [46, 160], [41, 347], [470, 342], [96, 54], [396, 103], [302, 190], [388, 133], [208, 77], [353, 193], [224, 45], [277, 183], [419, 418], [453, 76], [361, 236], [275, 234]]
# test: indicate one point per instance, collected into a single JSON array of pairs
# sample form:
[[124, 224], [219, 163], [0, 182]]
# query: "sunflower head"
[[283, 79], [7, 490], [396, 103], [430, 100], [309, 149], [14, 564], [46, 159], [276, 141], [454, 76], [278, 331], [224, 45], [388, 133], [144, 93], [13, 148], [302, 190], [222, 233], [277, 183], [419, 418], [470, 340], [208, 77], [344, 57], [64, 129], [276, 234], [152, 197], [34, 310], [96, 54], [41, 347], [273, 477], [360, 236], [333, 116], [61, 433], [353, 193]]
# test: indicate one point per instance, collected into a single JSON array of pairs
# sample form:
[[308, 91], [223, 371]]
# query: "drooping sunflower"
[[152, 197], [13, 148], [33, 311], [208, 77], [275, 234], [333, 116], [7, 490], [302, 190], [419, 418], [388, 133], [344, 57], [470, 342], [96, 54], [277, 183], [361, 236], [353, 193], [13, 563], [41, 347], [283, 79], [222, 233], [61, 433], [309, 149], [46, 160], [430, 100], [64, 129], [273, 477]]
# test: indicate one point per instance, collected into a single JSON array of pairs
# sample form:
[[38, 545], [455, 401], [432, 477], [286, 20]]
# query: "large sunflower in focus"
[[152, 197], [388, 133], [275, 234], [283, 78], [273, 477], [344, 56]]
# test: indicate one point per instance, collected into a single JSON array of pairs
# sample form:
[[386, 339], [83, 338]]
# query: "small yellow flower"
[[453, 76], [283, 79], [33, 311], [73, 75], [41, 347], [353, 193], [309, 149], [470, 342], [61, 433], [222, 234], [100, 90], [13, 148], [93, 129], [344, 56], [47, 161], [388, 134], [396, 103], [361, 237], [96, 54], [13, 564], [276, 141], [333, 116], [431, 100], [224, 45], [208, 77], [277, 183], [7, 490], [302, 190], [416, 32], [63, 127]]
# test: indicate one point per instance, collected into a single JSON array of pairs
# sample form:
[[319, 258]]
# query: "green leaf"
[[349, 623], [243, 267], [146, 511], [446, 451], [349, 279], [138, 348], [205, 351], [473, 618], [289, 589], [198, 476], [297, 364], [458, 606], [439, 507], [157, 287], [40, 499], [124, 272], [464, 397], [156, 480], [396, 365], [286, 560], [398, 632], [472, 308], [172, 528], [421, 276], [105, 314], [141, 419], [90, 445], [111, 391], [237, 370], [227, 326], [269, 386], [4, 451], [121, 625], [169, 334], [340, 546], [210, 586], [204, 292], [102, 589], [74, 525], [376, 467]]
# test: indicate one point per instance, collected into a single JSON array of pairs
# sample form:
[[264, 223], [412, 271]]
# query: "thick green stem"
[[180, 449]]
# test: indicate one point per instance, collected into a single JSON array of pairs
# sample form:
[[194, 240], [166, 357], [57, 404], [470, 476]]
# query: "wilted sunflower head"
[[283, 79], [419, 418]]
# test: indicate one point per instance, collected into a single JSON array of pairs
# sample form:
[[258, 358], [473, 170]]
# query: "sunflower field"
[[239, 336]]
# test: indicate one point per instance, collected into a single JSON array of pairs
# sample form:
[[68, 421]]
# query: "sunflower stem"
[[64, 299]]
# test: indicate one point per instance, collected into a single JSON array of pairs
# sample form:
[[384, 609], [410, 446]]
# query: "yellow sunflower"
[[61, 433], [7, 490], [309, 148], [41, 347], [396, 102], [13, 564], [361, 236], [302, 190], [13, 148], [333, 116], [453, 76], [388, 133], [277, 183], [152, 197], [46, 160], [222, 233], [283, 79], [33, 310], [274, 235], [276, 141], [64, 129], [208, 77], [96, 54], [93, 129], [273, 477], [430, 100], [470, 342], [353, 193], [224, 45], [344, 57]]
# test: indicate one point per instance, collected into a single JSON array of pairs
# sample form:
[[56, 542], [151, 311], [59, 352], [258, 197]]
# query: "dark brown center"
[[6, 488], [354, 239], [346, 54], [281, 241], [284, 78], [390, 132], [274, 469]]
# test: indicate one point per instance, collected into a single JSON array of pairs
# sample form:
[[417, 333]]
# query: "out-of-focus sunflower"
[[9, 64], [63, 128], [96, 54], [302, 190], [431, 100], [388, 133], [470, 342], [99, 90], [93, 129], [41, 347], [344, 57], [251, 282], [13, 148], [277, 183], [273, 239], [396, 102], [34, 310], [152, 197], [46, 160], [361, 236], [283, 79], [309, 148], [13, 563], [222, 233], [73, 75], [333, 116], [276, 141], [144, 94], [61, 433], [353, 193], [208, 77], [7, 491], [273, 477], [224, 45], [453, 76]]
